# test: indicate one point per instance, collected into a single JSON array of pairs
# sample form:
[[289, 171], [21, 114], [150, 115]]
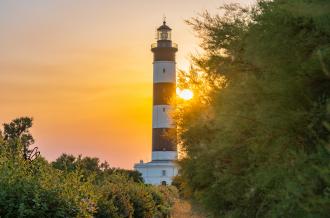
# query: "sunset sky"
[[83, 70]]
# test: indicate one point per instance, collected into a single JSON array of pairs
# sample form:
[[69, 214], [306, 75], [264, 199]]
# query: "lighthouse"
[[162, 168]]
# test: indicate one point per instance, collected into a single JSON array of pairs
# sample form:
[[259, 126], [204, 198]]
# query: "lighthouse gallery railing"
[[164, 45]]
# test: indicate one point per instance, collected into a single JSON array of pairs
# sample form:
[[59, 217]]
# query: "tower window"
[[163, 172], [163, 109], [163, 70]]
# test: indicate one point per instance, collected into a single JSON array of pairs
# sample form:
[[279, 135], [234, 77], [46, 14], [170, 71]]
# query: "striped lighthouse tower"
[[164, 88], [161, 169]]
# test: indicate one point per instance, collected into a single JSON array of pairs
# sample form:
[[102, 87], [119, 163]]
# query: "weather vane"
[[164, 19]]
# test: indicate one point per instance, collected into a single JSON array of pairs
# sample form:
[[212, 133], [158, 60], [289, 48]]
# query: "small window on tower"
[[163, 172], [164, 109], [163, 70]]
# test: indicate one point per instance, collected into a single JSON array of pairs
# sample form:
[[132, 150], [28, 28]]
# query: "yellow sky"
[[83, 70]]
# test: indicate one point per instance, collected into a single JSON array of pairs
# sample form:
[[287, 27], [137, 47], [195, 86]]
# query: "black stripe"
[[163, 93], [164, 54], [164, 139]]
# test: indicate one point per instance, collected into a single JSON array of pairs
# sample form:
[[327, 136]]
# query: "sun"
[[186, 94]]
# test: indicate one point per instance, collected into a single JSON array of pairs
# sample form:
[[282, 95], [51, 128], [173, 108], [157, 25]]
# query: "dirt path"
[[182, 209]]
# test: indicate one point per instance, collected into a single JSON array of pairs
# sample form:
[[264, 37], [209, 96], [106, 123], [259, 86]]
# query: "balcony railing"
[[164, 45]]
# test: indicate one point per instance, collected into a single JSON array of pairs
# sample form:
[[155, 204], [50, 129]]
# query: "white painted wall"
[[161, 116], [164, 155], [168, 76], [152, 172]]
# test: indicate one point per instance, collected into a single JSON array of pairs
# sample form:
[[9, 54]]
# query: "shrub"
[[70, 186], [37, 190]]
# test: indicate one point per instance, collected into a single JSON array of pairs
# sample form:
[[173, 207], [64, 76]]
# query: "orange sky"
[[83, 70]]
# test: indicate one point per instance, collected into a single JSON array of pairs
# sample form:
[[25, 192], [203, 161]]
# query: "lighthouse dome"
[[164, 27]]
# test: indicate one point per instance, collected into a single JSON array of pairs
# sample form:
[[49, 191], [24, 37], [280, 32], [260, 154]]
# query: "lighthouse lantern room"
[[164, 32]]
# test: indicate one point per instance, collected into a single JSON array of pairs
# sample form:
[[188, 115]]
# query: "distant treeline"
[[70, 186], [256, 135]]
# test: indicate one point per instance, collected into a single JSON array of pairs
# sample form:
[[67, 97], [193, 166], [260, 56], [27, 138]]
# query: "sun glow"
[[185, 94]]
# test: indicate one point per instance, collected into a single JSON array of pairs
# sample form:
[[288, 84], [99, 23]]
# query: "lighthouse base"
[[157, 172]]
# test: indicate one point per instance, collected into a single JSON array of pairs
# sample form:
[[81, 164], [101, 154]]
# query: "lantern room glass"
[[164, 34]]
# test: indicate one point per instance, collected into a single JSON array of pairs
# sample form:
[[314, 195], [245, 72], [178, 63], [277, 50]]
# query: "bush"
[[70, 186], [114, 201], [37, 190]]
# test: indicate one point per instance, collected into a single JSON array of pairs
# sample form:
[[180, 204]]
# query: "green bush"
[[37, 190], [70, 186], [142, 201], [164, 198], [122, 197], [114, 201]]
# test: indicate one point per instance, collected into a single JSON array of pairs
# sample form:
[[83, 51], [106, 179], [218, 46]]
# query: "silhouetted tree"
[[16, 138]]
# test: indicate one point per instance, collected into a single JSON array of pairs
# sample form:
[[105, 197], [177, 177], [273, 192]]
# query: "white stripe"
[[161, 116], [164, 71], [164, 155]]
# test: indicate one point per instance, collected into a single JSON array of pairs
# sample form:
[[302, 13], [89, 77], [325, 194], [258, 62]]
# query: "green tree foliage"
[[38, 190], [259, 146], [16, 137], [71, 186], [65, 162], [93, 165], [121, 197]]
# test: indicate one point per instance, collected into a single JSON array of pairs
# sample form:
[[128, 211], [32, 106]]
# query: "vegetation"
[[70, 186], [256, 135], [255, 138]]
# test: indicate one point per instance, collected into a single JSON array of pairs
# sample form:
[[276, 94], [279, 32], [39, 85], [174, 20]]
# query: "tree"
[[65, 162], [17, 139], [92, 165], [260, 146]]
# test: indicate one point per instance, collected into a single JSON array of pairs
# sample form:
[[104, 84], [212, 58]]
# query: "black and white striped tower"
[[161, 169], [164, 89]]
